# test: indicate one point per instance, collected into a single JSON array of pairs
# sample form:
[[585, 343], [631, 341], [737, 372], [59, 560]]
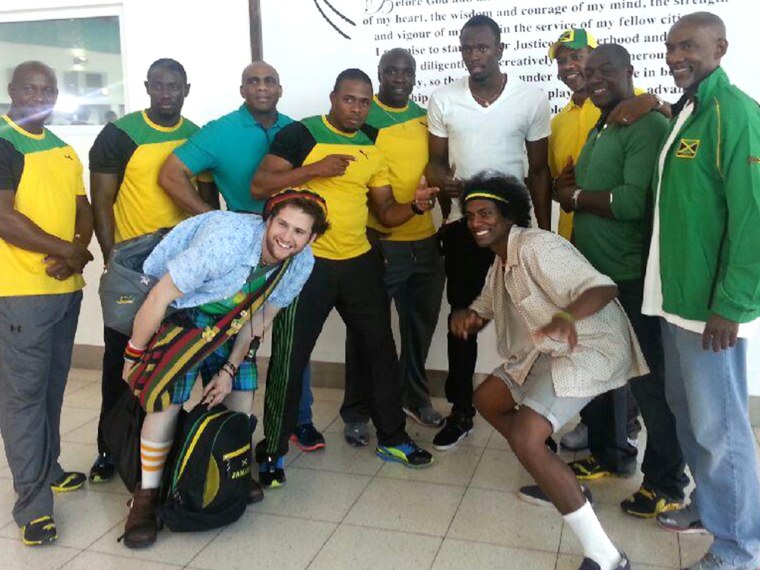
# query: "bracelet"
[[574, 199], [416, 209], [132, 352], [229, 368], [565, 316]]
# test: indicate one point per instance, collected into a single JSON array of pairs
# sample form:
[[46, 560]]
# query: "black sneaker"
[[307, 438], [457, 428], [272, 472], [69, 481], [103, 469], [408, 454], [648, 503], [589, 564], [535, 496], [40, 531]]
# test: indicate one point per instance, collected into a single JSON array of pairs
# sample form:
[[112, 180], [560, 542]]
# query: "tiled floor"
[[342, 508]]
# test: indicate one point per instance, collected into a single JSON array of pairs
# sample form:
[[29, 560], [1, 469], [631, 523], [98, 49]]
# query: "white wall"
[[212, 42]]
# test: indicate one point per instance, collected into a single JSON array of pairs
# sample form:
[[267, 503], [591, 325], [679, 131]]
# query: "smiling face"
[[288, 232], [692, 53], [481, 52], [350, 105], [261, 88], [397, 78], [571, 64], [608, 83], [487, 225]]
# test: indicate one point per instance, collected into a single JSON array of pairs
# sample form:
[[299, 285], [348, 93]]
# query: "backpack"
[[208, 483]]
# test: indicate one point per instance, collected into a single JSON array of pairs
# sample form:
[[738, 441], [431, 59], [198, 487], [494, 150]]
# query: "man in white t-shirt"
[[485, 121]]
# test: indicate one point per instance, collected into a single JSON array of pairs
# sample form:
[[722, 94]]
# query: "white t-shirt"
[[488, 138], [652, 304]]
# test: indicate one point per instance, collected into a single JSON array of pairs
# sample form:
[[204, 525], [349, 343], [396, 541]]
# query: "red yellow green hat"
[[575, 38]]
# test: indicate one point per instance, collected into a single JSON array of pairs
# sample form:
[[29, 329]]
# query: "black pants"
[[663, 465], [414, 279], [112, 385], [609, 418], [355, 288], [466, 266]]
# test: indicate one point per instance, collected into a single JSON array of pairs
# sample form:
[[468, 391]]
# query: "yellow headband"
[[486, 195]]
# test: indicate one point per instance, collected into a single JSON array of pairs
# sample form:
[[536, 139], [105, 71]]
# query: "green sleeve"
[[641, 144], [737, 291]]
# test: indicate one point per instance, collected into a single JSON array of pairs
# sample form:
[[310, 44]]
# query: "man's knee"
[[529, 432]]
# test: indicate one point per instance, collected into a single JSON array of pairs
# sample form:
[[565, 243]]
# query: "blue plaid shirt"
[[210, 256]]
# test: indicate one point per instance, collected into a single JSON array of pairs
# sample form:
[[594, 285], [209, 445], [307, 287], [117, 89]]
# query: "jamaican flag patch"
[[688, 148]]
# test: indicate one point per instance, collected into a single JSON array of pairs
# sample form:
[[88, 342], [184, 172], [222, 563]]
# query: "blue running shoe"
[[408, 453]]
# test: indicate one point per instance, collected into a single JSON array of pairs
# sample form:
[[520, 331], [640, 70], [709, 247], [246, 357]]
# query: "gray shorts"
[[537, 393]]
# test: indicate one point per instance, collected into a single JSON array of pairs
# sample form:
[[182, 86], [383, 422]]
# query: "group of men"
[[661, 290]]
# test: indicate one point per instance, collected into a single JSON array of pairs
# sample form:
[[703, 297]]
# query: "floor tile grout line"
[[342, 520], [131, 558], [459, 505], [205, 546]]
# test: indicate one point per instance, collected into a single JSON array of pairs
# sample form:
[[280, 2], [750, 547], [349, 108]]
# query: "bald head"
[[397, 74], [261, 89], [33, 91], [694, 48], [396, 53], [259, 67], [704, 20], [23, 69]]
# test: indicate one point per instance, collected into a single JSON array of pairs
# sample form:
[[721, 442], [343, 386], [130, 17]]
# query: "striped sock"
[[153, 456]]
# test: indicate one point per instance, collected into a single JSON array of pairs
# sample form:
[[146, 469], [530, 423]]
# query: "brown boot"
[[142, 525], [255, 492]]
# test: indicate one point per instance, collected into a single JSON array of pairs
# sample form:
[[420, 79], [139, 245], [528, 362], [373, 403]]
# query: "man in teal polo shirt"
[[612, 180], [230, 147]]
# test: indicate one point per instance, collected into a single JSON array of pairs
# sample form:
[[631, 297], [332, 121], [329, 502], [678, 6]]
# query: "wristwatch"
[[574, 199], [416, 209]]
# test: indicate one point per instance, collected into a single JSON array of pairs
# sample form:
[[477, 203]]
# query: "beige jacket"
[[543, 274]]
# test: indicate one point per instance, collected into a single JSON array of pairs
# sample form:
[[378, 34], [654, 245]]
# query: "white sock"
[[596, 544], [153, 456]]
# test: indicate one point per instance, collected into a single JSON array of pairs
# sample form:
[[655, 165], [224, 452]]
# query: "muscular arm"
[[631, 110], [84, 221], [20, 231], [539, 181], [209, 193], [104, 188], [177, 181], [440, 174], [275, 173], [596, 203], [591, 301], [386, 209]]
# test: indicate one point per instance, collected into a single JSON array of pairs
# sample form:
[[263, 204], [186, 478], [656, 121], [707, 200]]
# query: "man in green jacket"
[[702, 281]]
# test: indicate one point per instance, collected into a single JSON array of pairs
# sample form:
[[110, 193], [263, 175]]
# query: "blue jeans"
[[307, 398], [707, 393]]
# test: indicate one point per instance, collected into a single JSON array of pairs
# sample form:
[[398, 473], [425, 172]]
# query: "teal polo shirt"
[[231, 149]]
